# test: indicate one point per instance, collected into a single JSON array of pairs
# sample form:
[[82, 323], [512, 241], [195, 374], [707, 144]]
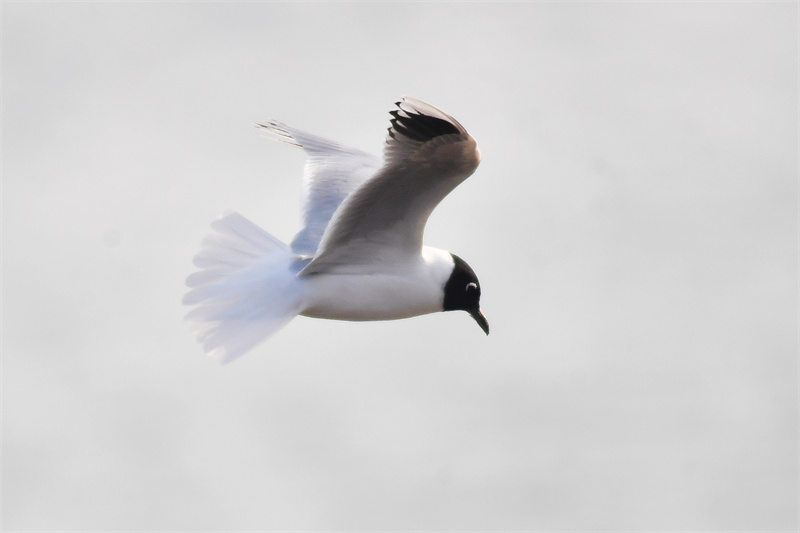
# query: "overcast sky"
[[633, 223]]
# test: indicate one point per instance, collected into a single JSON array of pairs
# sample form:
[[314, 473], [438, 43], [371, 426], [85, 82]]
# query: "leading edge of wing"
[[427, 155]]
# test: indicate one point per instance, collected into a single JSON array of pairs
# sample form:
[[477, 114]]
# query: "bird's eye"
[[471, 286]]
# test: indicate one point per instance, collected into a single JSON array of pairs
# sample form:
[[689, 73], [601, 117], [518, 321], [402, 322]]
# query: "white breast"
[[386, 293]]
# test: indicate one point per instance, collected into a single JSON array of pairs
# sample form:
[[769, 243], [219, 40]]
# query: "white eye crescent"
[[471, 286]]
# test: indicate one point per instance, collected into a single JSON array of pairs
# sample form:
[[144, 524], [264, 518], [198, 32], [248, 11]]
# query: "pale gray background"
[[634, 225]]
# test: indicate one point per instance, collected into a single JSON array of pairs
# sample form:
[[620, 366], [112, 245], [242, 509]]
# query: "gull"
[[359, 255]]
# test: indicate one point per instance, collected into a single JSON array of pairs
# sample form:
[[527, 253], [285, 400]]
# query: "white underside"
[[411, 289], [248, 288]]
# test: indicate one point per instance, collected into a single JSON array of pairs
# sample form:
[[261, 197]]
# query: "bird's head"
[[462, 292]]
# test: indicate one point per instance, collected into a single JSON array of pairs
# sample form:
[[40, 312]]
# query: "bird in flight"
[[359, 255]]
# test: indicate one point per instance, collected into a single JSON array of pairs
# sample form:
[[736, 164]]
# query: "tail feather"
[[245, 291]]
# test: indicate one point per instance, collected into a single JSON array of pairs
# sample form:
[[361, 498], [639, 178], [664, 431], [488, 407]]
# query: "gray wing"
[[427, 154], [332, 172]]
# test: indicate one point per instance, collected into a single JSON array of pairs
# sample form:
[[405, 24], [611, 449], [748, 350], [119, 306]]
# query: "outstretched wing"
[[428, 153], [331, 173]]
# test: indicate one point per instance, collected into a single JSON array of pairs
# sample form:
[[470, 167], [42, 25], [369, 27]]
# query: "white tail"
[[245, 290]]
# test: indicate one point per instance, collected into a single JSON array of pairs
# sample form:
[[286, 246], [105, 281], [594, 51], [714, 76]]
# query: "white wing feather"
[[331, 173]]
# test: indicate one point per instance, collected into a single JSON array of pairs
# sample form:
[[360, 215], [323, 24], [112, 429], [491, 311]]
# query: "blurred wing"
[[331, 173], [428, 153]]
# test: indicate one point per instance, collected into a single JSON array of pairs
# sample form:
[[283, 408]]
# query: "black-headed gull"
[[360, 254]]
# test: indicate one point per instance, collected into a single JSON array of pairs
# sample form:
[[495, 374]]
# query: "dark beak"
[[480, 319]]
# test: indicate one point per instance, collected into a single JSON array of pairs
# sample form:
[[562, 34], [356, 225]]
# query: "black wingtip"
[[418, 126]]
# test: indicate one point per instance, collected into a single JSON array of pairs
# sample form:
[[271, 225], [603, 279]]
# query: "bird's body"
[[360, 254], [410, 289]]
